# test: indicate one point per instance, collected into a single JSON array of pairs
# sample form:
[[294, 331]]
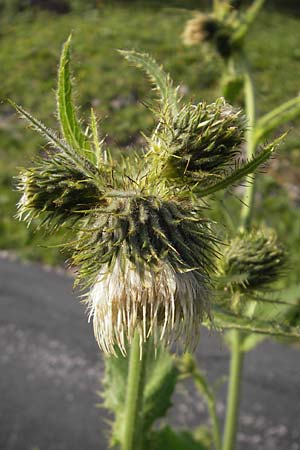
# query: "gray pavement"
[[51, 371]]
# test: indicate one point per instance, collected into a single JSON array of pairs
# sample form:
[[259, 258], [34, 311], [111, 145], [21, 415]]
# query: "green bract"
[[252, 261], [200, 143]]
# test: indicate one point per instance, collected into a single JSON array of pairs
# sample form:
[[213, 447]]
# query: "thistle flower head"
[[252, 261], [201, 141], [200, 28], [212, 29], [225, 27], [148, 262], [161, 302], [56, 188]]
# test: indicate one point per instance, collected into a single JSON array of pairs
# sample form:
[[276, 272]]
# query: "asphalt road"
[[51, 369]]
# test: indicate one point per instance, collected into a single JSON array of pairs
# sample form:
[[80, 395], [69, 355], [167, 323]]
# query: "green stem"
[[249, 18], [211, 405], [208, 395], [237, 355], [233, 399], [132, 436], [247, 209]]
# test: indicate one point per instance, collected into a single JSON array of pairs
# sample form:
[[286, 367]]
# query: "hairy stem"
[[132, 436]]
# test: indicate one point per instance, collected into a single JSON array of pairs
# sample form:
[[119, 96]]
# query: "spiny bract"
[[252, 261]]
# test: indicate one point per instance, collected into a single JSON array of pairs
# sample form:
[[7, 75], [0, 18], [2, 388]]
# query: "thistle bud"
[[148, 262], [53, 187], [203, 139], [252, 261], [201, 28], [211, 28]]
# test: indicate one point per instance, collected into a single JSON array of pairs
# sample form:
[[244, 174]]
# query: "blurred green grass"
[[30, 48]]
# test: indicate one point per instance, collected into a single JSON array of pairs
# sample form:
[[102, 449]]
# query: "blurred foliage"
[[66, 6], [30, 45]]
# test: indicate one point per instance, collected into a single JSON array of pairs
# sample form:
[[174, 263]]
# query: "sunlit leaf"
[[161, 80], [70, 125]]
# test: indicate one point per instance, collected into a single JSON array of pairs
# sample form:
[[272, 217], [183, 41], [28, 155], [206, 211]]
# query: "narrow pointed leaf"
[[248, 19], [162, 81], [97, 144], [58, 144], [285, 305], [69, 122], [226, 320], [271, 121], [241, 172]]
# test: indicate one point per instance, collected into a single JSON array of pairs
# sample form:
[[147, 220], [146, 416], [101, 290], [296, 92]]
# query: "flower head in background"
[[208, 28], [144, 248], [200, 28], [225, 27]]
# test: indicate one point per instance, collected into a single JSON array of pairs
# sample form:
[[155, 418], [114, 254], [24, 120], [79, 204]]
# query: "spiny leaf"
[[82, 164], [241, 172], [161, 376], [226, 320], [161, 380], [66, 111], [97, 144], [277, 117], [114, 391], [276, 311], [162, 81], [69, 123], [169, 439], [286, 309]]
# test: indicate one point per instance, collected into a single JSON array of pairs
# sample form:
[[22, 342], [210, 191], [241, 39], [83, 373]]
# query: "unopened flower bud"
[[203, 139], [53, 187], [253, 261]]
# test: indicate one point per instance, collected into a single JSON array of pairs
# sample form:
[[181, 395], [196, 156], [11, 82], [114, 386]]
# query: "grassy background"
[[31, 41]]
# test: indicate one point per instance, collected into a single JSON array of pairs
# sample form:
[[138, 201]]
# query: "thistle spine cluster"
[[201, 141]]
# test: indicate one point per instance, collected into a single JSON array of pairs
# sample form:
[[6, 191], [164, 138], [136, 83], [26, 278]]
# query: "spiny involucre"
[[143, 248], [252, 261]]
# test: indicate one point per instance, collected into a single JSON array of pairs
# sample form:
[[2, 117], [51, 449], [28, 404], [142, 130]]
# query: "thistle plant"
[[144, 247], [146, 253]]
